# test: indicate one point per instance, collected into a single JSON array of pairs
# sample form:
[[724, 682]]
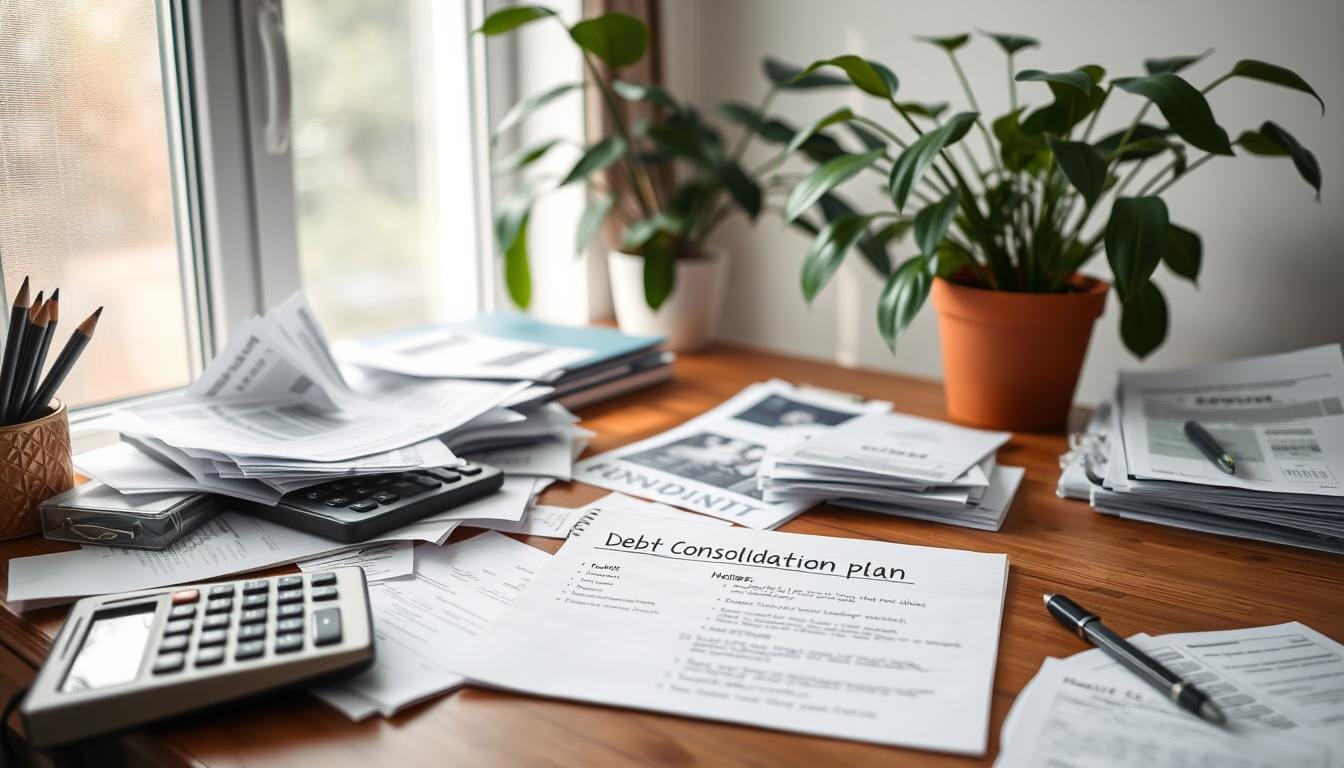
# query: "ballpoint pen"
[[1208, 446]]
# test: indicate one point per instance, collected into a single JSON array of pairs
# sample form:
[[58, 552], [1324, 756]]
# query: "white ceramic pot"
[[689, 317]]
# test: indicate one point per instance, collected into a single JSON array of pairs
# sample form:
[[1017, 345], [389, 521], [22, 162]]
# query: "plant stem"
[[1087, 132], [970, 96], [882, 129], [640, 183], [1216, 83], [1012, 85], [1149, 183], [1157, 192], [1129, 176], [744, 138]]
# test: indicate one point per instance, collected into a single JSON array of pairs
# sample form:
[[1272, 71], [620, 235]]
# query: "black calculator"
[[359, 508], [131, 658]]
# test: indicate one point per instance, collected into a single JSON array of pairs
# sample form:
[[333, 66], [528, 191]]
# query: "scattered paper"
[[443, 352], [390, 560], [556, 522]]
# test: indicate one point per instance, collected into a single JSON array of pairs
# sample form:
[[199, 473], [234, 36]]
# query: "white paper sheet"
[[442, 352], [389, 560], [987, 514], [556, 522], [552, 457], [852, 639], [419, 623], [709, 464], [127, 469]]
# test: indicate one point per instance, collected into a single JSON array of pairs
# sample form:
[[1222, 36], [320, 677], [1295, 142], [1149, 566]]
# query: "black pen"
[[1208, 446], [1089, 627]]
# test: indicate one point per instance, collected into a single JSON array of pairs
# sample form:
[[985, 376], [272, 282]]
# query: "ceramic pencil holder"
[[34, 466]]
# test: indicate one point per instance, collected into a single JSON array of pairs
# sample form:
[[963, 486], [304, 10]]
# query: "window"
[[90, 185]]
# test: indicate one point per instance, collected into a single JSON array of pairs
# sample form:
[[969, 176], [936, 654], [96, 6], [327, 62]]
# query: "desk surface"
[[1139, 577]]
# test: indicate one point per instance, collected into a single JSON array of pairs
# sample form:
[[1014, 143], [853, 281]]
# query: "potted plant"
[[1001, 239], [667, 277]]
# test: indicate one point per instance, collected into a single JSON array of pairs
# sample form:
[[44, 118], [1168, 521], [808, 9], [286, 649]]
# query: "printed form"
[[863, 640]]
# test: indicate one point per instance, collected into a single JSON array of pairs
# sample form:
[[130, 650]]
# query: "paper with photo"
[[446, 353], [1281, 416], [389, 560], [709, 464], [419, 623]]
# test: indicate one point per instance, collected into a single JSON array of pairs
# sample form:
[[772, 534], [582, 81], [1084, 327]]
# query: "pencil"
[[13, 341], [23, 369], [64, 362], [53, 307]]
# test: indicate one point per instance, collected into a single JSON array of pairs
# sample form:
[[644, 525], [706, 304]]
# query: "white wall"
[[1273, 276]]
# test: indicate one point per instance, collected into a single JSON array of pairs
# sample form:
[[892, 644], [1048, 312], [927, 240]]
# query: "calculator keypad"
[[203, 632]]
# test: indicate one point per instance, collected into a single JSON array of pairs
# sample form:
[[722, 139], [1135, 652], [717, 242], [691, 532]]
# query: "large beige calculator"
[[131, 658]]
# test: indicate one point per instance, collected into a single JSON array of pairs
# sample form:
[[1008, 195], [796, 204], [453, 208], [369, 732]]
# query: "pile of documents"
[[1280, 416], [896, 464], [1279, 687]]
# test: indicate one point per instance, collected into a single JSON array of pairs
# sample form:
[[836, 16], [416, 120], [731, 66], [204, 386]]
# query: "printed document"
[[709, 464], [419, 623], [556, 522], [864, 640], [389, 560], [1281, 416], [445, 353]]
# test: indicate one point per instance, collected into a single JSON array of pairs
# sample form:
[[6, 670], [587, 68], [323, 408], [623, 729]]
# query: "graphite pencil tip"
[[37, 307], [21, 300], [90, 322]]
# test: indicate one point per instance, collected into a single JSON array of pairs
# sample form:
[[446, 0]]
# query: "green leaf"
[[525, 107], [615, 38], [660, 272], [642, 232], [593, 215], [1186, 110], [680, 141], [932, 222], [1173, 64], [828, 251], [643, 92], [842, 115], [1012, 43], [1143, 320], [869, 139], [517, 273], [919, 109], [951, 259], [596, 158], [916, 158], [1303, 159], [867, 76], [904, 293], [1071, 104], [1136, 238], [873, 246], [1272, 73], [509, 217], [1184, 252], [1258, 144], [784, 75], [1082, 165], [1076, 79], [744, 191], [524, 157], [949, 44], [510, 19], [823, 179], [1019, 150]]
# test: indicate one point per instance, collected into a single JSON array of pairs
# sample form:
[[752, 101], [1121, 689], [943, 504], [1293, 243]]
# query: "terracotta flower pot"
[[1011, 360]]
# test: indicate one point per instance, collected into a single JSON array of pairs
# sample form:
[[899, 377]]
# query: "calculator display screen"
[[112, 649]]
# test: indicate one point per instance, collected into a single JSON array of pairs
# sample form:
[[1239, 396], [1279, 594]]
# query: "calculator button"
[[173, 643], [250, 649], [286, 596], [327, 626], [217, 621], [178, 627], [428, 482], [337, 486], [286, 611], [288, 582], [322, 579], [385, 497], [285, 626], [184, 596], [290, 642], [468, 469], [361, 491], [448, 476], [258, 587], [254, 601], [252, 616], [182, 612], [223, 590], [219, 605], [206, 657], [211, 637], [364, 506], [324, 593], [314, 495], [169, 662], [251, 631], [407, 490], [338, 501]]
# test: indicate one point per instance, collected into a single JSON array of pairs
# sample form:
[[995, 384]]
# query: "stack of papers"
[[1279, 687], [896, 464], [574, 366], [1280, 416]]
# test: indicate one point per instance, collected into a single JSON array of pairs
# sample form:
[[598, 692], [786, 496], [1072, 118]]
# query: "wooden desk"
[[1139, 577]]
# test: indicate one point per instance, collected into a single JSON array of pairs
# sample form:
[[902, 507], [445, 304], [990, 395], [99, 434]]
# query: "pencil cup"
[[34, 466]]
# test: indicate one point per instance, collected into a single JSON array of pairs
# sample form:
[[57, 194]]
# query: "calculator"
[[357, 509], [128, 659]]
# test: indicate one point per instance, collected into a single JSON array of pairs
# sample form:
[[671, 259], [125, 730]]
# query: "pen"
[[1089, 627], [1220, 457]]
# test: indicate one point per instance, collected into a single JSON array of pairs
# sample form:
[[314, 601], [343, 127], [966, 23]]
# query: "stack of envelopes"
[[897, 464]]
